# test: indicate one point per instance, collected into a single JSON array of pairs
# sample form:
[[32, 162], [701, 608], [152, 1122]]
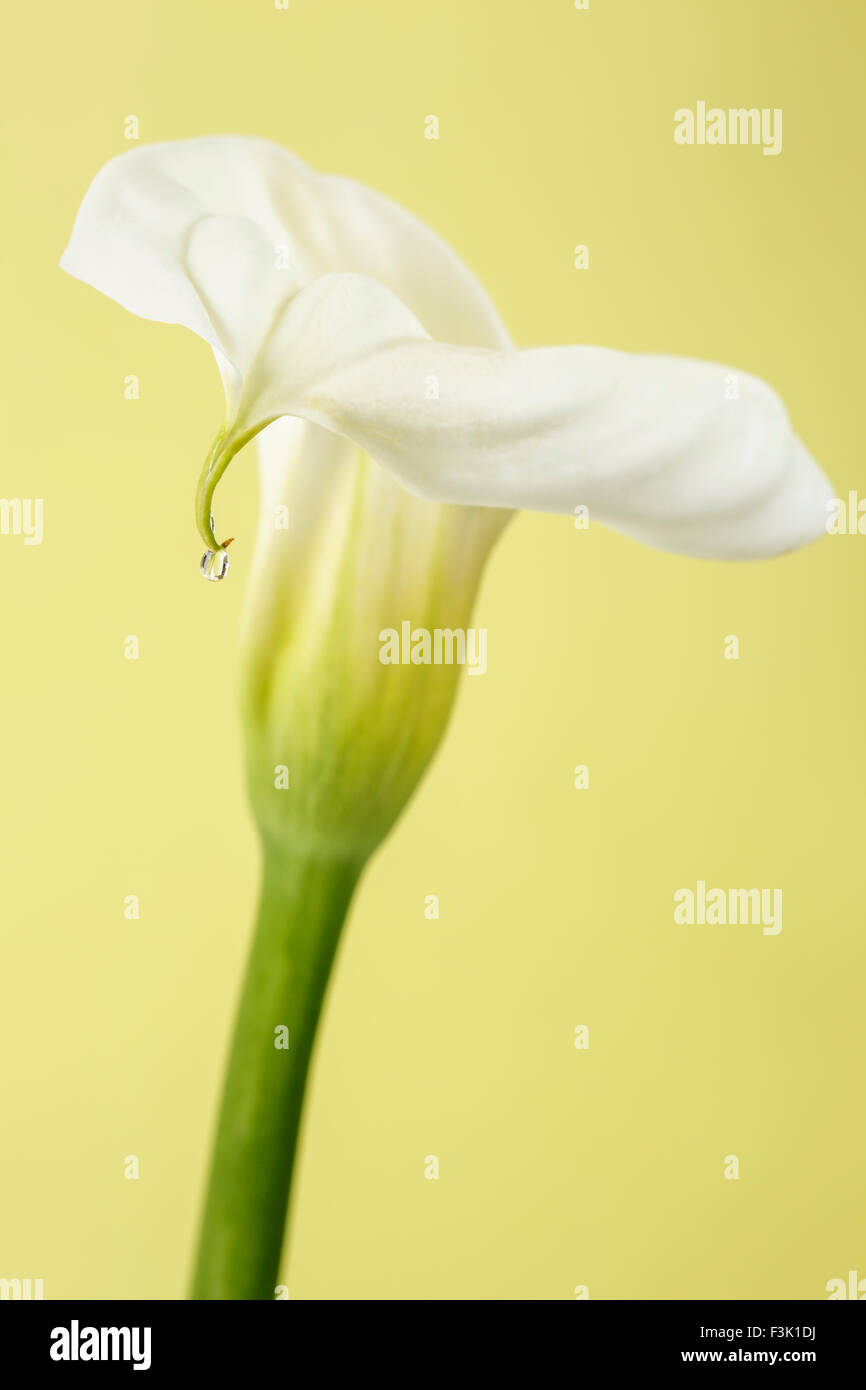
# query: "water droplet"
[[215, 564]]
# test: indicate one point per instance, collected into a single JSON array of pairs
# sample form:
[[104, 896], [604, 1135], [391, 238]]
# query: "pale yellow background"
[[557, 1167]]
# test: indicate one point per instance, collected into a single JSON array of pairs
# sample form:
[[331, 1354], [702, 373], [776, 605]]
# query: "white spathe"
[[323, 300]]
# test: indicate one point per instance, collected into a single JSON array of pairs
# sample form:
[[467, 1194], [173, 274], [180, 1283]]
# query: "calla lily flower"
[[323, 301], [400, 428]]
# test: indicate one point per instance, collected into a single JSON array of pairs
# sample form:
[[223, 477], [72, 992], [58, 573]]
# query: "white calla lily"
[[324, 301], [401, 428]]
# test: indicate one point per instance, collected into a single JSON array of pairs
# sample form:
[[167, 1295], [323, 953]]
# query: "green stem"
[[304, 900]]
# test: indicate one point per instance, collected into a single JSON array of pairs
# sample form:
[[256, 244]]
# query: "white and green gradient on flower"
[[400, 428]]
